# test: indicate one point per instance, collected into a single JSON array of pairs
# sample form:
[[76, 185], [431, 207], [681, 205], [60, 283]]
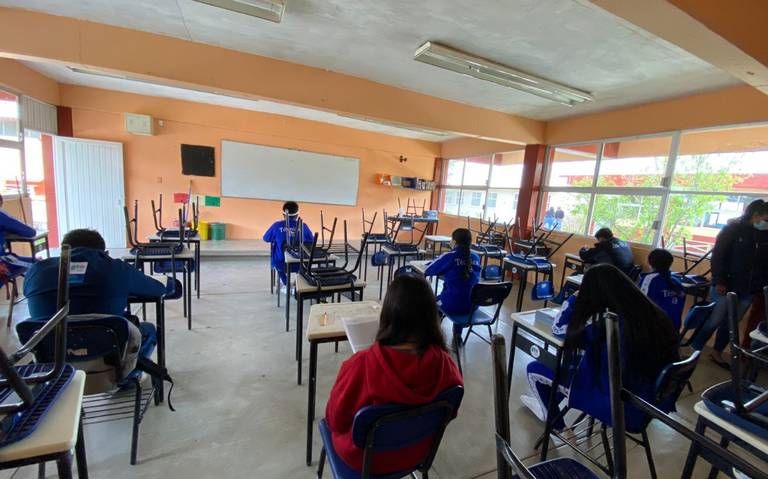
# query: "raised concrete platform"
[[233, 248]]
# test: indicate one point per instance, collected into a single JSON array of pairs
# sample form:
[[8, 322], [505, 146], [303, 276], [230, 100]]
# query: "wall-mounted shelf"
[[405, 182]]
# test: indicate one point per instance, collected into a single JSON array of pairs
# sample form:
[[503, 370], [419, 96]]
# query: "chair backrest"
[[391, 427], [634, 272], [490, 294], [673, 379], [694, 320]]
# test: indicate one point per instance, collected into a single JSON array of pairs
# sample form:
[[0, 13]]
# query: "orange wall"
[[24, 80], [153, 164], [728, 106]]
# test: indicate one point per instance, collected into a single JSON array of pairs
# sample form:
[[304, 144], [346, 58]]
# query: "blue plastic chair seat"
[[562, 468], [339, 468], [714, 397], [480, 317]]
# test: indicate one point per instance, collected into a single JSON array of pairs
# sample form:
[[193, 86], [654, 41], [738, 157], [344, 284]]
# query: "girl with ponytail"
[[460, 269]]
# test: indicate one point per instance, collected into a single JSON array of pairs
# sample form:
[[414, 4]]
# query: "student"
[[408, 364], [738, 265], [277, 235], [608, 249], [10, 264], [649, 343], [664, 289], [98, 284], [460, 269]]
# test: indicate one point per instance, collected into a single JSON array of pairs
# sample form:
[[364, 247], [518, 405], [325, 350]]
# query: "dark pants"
[[718, 321]]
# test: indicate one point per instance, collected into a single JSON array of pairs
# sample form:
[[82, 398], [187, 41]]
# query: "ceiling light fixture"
[[271, 10], [464, 63]]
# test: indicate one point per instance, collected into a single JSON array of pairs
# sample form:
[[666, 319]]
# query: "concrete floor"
[[240, 413]]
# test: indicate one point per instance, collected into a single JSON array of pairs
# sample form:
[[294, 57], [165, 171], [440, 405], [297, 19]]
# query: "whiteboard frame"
[[293, 198]]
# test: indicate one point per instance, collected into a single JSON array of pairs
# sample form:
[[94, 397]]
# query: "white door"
[[90, 191]]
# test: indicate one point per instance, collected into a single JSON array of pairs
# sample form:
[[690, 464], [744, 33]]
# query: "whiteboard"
[[270, 173]]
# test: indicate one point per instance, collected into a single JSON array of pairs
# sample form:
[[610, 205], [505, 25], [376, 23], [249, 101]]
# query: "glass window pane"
[[449, 199], [507, 171], [10, 171], [9, 116], [734, 159], [472, 203], [572, 165], [630, 217], [565, 211], [476, 171], [699, 218], [454, 171], [635, 162], [34, 175], [501, 205]]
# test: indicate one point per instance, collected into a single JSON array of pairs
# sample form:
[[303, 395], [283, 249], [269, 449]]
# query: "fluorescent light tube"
[[460, 62], [271, 10]]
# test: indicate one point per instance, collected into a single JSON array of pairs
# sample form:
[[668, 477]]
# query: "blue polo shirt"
[[277, 234], [9, 224], [98, 284], [455, 298]]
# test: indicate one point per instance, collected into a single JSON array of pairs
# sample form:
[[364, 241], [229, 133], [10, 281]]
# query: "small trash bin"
[[218, 231]]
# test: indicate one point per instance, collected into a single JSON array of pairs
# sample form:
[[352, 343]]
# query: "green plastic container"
[[218, 231]]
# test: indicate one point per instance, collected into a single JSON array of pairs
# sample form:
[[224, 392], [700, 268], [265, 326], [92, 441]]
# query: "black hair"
[[409, 314], [604, 233], [660, 260], [463, 239], [84, 238], [649, 338], [757, 207], [290, 207]]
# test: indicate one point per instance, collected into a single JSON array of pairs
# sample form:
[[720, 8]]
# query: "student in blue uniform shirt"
[[648, 344], [278, 236], [460, 269], [10, 264], [664, 289], [98, 284], [608, 249]]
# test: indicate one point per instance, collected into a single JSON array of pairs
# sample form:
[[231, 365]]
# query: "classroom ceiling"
[[568, 41], [62, 74]]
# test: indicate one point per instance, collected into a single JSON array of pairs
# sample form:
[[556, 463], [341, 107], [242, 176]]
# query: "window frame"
[[17, 145], [466, 188], [664, 191]]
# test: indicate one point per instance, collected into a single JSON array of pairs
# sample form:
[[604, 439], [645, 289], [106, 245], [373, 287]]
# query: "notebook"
[[361, 327]]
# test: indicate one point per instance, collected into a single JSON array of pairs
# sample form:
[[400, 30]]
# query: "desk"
[[37, 244], [729, 432], [159, 303], [515, 265], [484, 255], [575, 280], [402, 259], [758, 335], [526, 245], [571, 262], [187, 257], [195, 240], [538, 341], [290, 260], [305, 291], [56, 436], [332, 332], [377, 240], [435, 240]]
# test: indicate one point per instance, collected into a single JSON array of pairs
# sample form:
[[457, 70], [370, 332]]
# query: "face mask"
[[761, 225]]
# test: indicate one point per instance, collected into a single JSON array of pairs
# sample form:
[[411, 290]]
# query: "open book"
[[361, 327]]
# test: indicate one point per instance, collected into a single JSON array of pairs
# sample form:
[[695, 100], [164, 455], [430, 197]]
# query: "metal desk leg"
[[287, 297], [311, 394], [160, 324], [562, 278], [693, 452], [82, 462], [551, 405], [511, 363], [197, 269], [299, 329], [523, 282], [365, 261], [188, 297]]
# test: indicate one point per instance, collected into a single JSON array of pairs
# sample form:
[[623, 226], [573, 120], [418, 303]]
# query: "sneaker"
[[534, 405]]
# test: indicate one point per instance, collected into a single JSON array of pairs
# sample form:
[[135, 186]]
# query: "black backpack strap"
[[157, 373]]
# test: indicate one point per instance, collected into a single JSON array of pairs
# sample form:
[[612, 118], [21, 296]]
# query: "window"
[[9, 116], [657, 189], [487, 186], [11, 170]]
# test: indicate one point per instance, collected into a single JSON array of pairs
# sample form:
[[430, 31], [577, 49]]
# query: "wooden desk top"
[[291, 259], [185, 254], [38, 235], [575, 279], [334, 327], [420, 265], [156, 237], [518, 264], [527, 320], [574, 257], [393, 252], [438, 238], [752, 439], [758, 335], [302, 286], [58, 431]]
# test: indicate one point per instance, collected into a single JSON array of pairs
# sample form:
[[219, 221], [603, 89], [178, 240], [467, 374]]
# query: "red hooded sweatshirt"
[[384, 375]]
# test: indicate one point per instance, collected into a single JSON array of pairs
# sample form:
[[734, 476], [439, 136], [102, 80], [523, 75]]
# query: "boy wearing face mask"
[[738, 265]]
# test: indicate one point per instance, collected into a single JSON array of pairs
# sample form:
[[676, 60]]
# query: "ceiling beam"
[[183, 63], [729, 35]]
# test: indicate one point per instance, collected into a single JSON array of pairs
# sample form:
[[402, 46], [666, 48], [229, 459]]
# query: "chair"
[[393, 427], [373, 239], [634, 272], [694, 320], [507, 461], [12, 292], [95, 344]]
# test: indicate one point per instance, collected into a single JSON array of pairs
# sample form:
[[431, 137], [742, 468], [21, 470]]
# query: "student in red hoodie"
[[408, 364]]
